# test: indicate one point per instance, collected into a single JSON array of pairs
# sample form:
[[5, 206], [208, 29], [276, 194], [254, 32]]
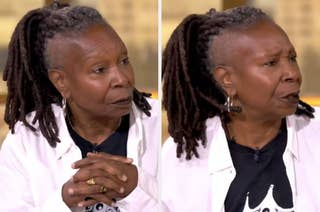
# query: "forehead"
[[99, 37], [261, 39], [94, 41]]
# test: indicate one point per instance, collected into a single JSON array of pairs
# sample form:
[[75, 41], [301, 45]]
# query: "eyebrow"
[[273, 53], [92, 54]]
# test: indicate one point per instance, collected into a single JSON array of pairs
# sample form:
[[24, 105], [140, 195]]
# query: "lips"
[[292, 98], [123, 101]]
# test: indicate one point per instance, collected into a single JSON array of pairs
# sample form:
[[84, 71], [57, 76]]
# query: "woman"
[[241, 139], [80, 132]]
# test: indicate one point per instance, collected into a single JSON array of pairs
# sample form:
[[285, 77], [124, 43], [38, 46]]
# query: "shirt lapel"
[[135, 146], [220, 166]]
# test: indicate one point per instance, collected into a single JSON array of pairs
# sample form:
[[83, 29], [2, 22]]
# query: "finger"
[[84, 174], [110, 157], [87, 202], [103, 198], [84, 189], [101, 168], [113, 194], [83, 162], [103, 161], [110, 185], [113, 168]]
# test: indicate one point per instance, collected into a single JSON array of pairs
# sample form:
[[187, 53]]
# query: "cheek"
[[130, 76], [89, 89], [257, 89]]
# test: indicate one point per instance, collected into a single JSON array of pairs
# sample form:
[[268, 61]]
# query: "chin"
[[289, 111], [120, 112]]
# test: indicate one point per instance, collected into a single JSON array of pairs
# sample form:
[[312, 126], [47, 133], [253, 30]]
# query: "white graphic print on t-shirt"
[[267, 205], [101, 207]]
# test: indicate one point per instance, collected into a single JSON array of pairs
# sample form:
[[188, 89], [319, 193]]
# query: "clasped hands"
[[101, 178]]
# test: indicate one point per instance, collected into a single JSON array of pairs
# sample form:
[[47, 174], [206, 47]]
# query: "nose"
[[291, 73], [118, 78]]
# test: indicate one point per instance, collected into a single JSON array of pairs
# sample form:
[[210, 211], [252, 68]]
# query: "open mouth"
[[123, 101], [292, 97]]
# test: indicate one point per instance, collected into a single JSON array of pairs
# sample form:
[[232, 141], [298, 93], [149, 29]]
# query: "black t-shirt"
[[261, 180], [115, 144]]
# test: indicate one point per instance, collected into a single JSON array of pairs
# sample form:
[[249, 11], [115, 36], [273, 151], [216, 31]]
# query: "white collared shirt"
[[202, 184], [32, 173]]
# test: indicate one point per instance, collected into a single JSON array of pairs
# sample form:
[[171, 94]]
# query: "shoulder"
[[169, 149], [25, 137], [302, 123], [154, 111], [183, 176], [178, 167], [213, 125], [307, 131], [20, 126], [155, 106]]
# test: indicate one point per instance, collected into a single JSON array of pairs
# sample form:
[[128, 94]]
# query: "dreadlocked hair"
[[26, 70], [190, 93]]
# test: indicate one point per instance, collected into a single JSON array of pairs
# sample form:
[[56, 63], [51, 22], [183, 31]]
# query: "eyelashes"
[[102, 69], [273, 62]]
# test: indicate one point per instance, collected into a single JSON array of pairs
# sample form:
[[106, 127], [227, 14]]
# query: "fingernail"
[[121, 190], [73, 165], [80, 204], [113, 204], [124, 178], [70, 191]]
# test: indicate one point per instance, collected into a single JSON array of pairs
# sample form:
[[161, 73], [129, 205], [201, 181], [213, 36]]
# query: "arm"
[[17, 193]]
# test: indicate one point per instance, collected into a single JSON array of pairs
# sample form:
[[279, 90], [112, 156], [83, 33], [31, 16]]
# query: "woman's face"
[[263, 70], [96, 77]]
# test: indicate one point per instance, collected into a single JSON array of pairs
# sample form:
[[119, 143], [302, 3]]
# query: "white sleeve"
[[144, 198], [16, 192], [168, 188]]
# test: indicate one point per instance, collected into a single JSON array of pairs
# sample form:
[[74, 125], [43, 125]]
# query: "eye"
[[270, 63], [125, 61], [99, 70], [293, 58]]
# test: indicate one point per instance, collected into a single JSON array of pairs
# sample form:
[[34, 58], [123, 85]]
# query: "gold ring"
[[103, 189], [91, 181]]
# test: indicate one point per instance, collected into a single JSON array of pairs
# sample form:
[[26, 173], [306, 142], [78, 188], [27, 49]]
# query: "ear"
[[59, 80], [223, 75]]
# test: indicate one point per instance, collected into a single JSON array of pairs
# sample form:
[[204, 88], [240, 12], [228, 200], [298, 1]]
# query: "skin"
[[92, 71], [96, 78], [262, 76], [115, 173]]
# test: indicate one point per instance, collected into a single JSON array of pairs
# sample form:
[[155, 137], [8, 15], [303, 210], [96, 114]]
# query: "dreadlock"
[[26, 70], [190, 93]]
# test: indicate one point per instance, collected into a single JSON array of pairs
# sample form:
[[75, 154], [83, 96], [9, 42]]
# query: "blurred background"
[[135, 21], [300, 19]]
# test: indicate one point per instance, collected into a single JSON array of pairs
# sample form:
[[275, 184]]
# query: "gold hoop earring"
[[64, 106], [229, 106]]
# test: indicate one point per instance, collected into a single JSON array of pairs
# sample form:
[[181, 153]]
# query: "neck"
[[94, 130], [253, 133]]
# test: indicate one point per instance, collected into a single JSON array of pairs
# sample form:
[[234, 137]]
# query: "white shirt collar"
[[292, 140], [219, 154]]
